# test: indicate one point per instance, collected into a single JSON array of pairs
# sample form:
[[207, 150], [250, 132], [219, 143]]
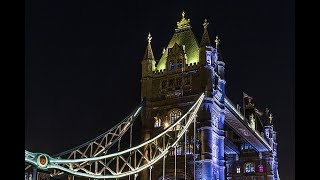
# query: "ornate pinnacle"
[[205, 24], [183, 22], [270, 118], [217, 41], [164, 50], [149, 38]]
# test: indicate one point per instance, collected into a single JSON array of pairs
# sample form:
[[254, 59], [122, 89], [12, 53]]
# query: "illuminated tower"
[[185, 70], [271, 157]]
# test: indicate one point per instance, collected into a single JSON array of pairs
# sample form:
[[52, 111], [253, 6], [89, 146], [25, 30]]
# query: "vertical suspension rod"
[[185, 154], [194, 148], [130, 147], [117, 165], [175, 162], [164, 159]]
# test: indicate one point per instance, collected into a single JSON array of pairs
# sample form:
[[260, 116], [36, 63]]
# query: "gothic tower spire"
[[148, 55], [205, 41], [148, 66], [148, 62]]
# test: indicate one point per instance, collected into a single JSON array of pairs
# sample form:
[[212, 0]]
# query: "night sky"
[[83, 63]]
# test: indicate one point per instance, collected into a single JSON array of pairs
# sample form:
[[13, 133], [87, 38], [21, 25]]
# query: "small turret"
[[148, 61], [148, 66], [205, 40], [206, 50]]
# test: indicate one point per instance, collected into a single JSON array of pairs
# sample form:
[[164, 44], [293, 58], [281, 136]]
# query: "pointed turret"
[[205, 41], [148, 55], [148, 66], [148, 61], [183, 36], [206, 49]]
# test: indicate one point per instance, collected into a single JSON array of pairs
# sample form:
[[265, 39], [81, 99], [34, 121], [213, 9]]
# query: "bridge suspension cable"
[[123, 163]]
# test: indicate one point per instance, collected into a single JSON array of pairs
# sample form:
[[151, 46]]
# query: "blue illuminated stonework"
[[225, 144]]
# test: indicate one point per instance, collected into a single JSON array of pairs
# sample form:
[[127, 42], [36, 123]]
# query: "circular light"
[[42, 161]]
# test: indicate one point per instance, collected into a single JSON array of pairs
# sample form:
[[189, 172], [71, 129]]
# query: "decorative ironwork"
[[124, 163]]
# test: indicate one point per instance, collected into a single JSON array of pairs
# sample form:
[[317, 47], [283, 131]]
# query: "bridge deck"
[[235, 120]]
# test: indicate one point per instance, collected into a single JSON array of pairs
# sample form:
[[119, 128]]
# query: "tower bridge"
[[190, 128]]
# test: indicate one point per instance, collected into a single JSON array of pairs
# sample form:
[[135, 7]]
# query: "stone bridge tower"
[[170, 86]]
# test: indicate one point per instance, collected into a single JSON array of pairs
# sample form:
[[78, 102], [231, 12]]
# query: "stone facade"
[[170, 87]]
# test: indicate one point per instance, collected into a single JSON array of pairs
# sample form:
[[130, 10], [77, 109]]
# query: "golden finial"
[[164, 50], [149, 38], [183, 22], [217, 41], [206, 23], [270, 118]]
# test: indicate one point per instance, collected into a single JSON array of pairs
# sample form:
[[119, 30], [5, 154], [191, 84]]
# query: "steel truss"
[[97, 146], [119, 164]]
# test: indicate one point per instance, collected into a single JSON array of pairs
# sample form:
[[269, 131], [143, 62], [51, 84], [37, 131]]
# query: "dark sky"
[[83, 70]]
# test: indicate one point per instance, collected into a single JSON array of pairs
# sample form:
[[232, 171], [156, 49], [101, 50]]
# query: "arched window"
[[179, 65], [174, 115], [189, 147], [157, 122], [171, 65], [179, 149]]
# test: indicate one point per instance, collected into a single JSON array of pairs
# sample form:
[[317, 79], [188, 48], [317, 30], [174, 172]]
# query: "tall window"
[[179, 65], [238, 170], [174, 115], [171, 65], [157, 122], [249, 167], [260, 167], [179, 149], [189, 149]]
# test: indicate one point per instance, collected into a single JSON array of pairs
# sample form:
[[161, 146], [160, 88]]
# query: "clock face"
[[43, 160]]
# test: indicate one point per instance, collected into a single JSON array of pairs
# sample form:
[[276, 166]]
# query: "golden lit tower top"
[[184, 23]]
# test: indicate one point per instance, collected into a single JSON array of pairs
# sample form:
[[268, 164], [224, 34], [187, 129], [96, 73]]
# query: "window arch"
[[179, 65], [174, 115], [157, 121], [171, 65]]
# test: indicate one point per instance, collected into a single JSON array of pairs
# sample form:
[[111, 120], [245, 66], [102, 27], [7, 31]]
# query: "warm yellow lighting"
[[166, 124]]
